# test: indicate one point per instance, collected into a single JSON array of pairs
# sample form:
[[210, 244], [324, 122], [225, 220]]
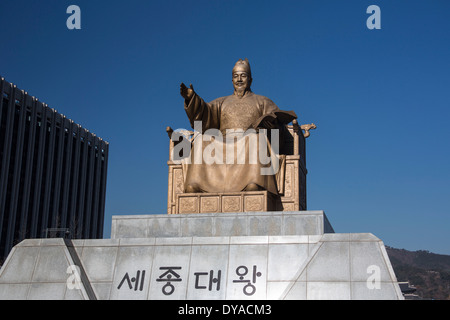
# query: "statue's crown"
[[243, 64]]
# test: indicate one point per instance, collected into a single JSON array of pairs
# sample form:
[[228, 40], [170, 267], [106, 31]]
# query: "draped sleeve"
[[208, 113]]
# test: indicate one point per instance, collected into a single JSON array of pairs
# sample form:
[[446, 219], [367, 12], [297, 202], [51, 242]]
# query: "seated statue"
[[223, 124]]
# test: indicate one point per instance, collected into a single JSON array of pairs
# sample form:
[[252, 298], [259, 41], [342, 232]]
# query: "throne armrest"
[[169, 131], [307, 127], [174, 142]]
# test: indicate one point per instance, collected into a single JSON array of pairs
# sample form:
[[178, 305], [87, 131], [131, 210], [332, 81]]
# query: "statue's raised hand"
[[186, 93]]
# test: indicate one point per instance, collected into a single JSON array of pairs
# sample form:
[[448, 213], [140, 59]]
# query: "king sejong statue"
[[237, 138]]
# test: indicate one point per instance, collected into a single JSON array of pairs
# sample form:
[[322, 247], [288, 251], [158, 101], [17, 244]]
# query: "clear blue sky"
[[379, 160]]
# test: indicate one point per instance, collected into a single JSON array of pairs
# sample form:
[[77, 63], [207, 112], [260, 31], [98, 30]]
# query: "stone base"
[[272, 223], [216, 265]]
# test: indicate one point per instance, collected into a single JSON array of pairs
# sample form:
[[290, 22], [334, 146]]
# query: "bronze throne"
[[291, 183]]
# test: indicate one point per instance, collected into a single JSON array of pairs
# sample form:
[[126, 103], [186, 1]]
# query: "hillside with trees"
[[428, 272]]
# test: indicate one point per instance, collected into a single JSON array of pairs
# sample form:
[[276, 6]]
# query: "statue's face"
[[241, 81]]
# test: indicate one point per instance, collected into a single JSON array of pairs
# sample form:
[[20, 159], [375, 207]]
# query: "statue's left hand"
[[187, 93]]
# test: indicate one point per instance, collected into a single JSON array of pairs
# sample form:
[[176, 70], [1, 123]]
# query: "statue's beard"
[[240, 91]]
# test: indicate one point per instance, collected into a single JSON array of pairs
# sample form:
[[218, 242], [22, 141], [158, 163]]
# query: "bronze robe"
[[231, 112]]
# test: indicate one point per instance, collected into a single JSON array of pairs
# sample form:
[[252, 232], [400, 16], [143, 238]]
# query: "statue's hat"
[[243, 65]]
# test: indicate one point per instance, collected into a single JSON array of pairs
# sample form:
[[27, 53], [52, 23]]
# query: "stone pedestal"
[[254, 255], [275, 223]]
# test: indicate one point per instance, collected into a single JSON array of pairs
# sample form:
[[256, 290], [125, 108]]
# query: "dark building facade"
[[52, 173]]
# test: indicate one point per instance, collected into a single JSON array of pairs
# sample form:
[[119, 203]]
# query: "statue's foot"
[[252, 187], [192, 188]]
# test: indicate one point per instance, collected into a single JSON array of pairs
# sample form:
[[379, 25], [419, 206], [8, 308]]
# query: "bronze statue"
[[241, 112]]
